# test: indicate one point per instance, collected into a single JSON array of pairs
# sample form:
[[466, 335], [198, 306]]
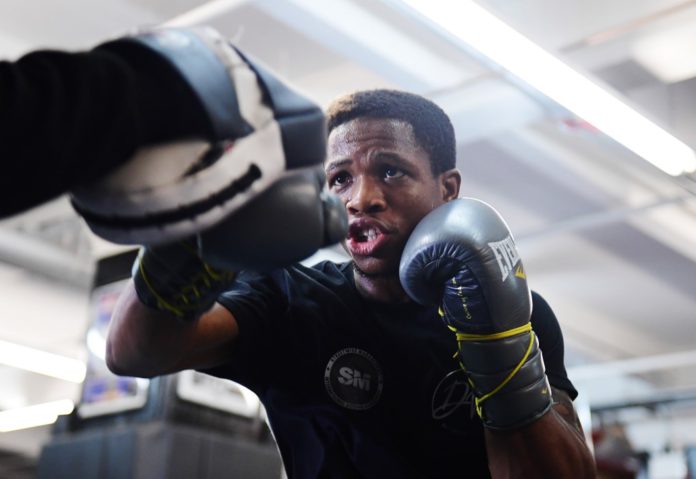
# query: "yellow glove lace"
[[180, 304], [463, 337]]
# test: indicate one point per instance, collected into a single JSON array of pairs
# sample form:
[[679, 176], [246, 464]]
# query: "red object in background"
[[575, 123], [614, 455]]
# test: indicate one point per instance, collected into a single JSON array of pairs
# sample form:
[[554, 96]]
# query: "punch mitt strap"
[[259, 128]]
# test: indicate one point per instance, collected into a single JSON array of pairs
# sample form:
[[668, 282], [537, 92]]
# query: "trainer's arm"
[[73, 117], [144, 342], [552, 446]]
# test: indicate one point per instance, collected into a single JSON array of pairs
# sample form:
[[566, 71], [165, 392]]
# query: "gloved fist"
[[285, 224], [462, 257], [173, 278], [255, 129]]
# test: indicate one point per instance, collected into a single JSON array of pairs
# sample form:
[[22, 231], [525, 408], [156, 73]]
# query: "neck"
[[382, 289]]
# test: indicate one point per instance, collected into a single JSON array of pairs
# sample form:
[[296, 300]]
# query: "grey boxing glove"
[[285, 224], [462, 257], [173, 278]]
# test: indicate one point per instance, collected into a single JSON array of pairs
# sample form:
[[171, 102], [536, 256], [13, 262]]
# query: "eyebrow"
[[387, 155], [382, 155], [338, 164]]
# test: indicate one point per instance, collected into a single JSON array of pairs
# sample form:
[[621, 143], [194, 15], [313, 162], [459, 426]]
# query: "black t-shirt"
[[358, 389]]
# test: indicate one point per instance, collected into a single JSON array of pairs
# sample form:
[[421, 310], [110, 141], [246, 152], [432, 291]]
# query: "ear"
[[450, 181]]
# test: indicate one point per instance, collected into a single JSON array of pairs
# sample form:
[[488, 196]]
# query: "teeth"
[[368, 235]]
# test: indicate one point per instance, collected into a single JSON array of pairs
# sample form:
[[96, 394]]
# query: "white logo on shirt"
[[353, 379]]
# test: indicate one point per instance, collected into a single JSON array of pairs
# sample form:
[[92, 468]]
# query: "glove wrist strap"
[[506, 372], [173, 279]]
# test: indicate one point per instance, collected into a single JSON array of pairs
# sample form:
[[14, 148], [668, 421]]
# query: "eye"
[[339, 179], [392, 172]]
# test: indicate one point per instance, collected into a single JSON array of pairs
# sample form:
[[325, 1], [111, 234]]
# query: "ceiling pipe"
[[32, 254], [633, 365], [655, 399], [626, 28], [602, 218]]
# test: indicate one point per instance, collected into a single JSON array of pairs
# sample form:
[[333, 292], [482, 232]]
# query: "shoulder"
[[284, 282], [330, 268], [548, 330], [544, 320], [543, 316], [540, 305], [324, 272]]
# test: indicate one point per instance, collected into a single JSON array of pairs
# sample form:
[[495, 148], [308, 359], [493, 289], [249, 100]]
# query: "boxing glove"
[[462, 257], [174, 279], [252, 128], [285, 224]]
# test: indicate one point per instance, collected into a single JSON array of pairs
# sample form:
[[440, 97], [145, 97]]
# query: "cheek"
[[343, 195], [421, 197], [411, 207]]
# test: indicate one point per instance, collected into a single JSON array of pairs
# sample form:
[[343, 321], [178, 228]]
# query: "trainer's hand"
[[462, 257]]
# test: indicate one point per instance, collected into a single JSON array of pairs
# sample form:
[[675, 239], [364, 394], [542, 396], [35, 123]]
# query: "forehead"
[[367, 133]]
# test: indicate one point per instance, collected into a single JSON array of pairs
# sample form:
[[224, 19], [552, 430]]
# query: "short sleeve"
[[256, 303], [548, 331]]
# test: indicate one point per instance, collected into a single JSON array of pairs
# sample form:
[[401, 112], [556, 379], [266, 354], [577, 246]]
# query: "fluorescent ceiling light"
[[636, 365], [484, 32], [42, 362], [32, 416], [204, 13], [96, 343], [669, 55], [384, 40]]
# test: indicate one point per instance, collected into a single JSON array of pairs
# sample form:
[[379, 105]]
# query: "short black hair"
[[431, 125]]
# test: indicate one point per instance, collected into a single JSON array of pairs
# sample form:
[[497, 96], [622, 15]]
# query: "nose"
[[365, 197]]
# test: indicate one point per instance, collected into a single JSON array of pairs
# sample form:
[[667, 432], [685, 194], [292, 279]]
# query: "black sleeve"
[[257, 304], [68, 118], [548, 331]]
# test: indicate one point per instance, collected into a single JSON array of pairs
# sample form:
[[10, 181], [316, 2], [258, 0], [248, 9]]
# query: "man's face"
[[384, 179]]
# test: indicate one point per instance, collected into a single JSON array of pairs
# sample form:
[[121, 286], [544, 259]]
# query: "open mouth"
[[368, 235], [365, 238]]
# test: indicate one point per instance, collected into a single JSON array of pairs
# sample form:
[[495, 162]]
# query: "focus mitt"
[[261, 128]]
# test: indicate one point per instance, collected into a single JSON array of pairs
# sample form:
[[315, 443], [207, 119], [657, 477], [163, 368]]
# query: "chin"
[[375, 268], [382, 285]]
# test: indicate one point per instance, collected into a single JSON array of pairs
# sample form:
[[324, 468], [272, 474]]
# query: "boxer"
[[425, 355]]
